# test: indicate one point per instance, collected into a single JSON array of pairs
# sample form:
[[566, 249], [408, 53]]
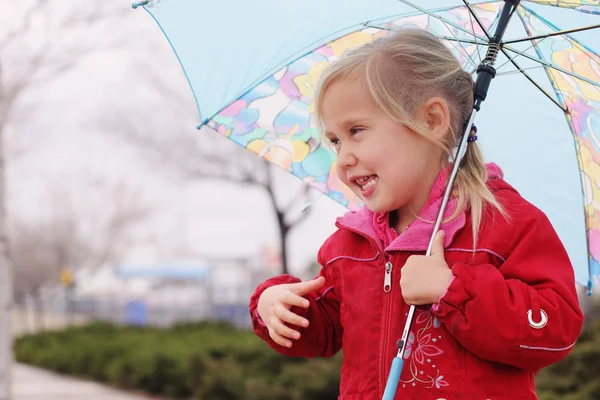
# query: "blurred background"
[[135, 240]]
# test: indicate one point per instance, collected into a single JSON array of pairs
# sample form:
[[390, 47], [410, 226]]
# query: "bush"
[[206, 361], [216, 361], [576, 377]]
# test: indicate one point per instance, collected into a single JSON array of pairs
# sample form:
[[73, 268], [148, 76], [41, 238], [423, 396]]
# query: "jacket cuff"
[[457, 295], [257, 323], [436, 305]]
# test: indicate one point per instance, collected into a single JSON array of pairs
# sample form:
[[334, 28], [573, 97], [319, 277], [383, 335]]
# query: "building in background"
[[162, 294]]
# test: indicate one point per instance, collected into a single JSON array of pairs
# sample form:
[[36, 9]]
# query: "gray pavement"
[[30, 383]]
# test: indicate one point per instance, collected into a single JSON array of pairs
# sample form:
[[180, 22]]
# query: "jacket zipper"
[[387, 280], [387, 288], [388, 293]]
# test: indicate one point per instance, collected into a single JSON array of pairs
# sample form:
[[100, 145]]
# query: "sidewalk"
[[30, 383], [24, 322]]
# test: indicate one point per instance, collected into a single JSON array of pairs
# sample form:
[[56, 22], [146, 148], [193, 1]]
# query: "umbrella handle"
[[398, 362], [393, 378], [485, 74]]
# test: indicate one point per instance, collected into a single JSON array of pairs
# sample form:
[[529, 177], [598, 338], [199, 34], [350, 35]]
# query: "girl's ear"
[[434, 114]]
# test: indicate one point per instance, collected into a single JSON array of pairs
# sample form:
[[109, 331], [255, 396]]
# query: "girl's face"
[[388, 166]]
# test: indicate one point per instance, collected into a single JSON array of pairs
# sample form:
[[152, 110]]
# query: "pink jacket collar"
[[417, 236]]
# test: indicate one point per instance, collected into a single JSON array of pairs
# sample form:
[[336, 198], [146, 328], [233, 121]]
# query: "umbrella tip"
[[589, 287], [139, 3], [306, 207], [310, 203], [203, 123]]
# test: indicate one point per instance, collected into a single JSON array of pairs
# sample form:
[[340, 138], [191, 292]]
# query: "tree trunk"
[[283, 231], [6, 290], [280, 216], [38, 311]]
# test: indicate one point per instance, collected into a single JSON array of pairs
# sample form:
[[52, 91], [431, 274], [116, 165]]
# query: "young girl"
[[497, 298]]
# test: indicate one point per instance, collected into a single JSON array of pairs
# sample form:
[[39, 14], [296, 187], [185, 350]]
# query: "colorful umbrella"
[[253, 67]]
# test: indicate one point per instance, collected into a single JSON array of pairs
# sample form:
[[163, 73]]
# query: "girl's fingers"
[[281, 329], [277, 338], [307, 286], [292, 299], [286, 315]]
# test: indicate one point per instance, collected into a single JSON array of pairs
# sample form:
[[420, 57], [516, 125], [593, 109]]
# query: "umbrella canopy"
[[253, 67]]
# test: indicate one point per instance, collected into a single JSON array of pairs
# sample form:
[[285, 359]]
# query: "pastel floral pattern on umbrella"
[[486, 13], [582, 100], [275, 119], [587, 6]]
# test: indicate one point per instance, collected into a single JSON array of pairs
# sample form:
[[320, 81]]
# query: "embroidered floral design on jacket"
[[421, 350]]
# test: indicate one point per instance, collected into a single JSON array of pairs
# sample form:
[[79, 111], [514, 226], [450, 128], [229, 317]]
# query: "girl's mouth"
[[367, 184]]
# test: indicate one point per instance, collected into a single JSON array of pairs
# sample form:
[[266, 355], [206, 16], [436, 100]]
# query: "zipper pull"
[[387, 281]]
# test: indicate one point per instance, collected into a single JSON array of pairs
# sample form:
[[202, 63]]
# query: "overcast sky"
[[64, 146]]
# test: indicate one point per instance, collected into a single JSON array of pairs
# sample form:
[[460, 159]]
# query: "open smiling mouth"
[[367, 184]]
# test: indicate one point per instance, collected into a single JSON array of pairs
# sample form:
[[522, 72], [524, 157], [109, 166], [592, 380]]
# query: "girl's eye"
[[334, 144], [354, 131]]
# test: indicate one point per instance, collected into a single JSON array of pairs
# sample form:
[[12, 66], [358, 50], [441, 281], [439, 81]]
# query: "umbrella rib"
[[448, 38], [469, 41], [516, 71], [574, 42], [533, 80], [476, 43], [554, 66], [472, 12], [496, 20], [452, 38], [444, 20], [546, 35], [520, 53], [463, 47]]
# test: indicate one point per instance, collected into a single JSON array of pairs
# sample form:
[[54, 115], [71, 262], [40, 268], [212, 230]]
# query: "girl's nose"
[[346, 158]]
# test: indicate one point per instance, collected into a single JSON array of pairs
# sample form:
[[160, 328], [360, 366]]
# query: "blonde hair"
[[402, 72]]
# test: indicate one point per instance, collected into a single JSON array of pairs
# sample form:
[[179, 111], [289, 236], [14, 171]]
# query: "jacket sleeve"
[[323, 337], [525, 313]]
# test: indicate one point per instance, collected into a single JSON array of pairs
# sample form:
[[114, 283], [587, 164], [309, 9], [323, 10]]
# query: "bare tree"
[[39, 252], [39, 40], [206, 155], [168, 140], [77, 232], [110, 222], [33, 264]]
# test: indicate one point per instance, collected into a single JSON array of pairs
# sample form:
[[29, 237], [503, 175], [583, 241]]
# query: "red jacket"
[[483, 340]]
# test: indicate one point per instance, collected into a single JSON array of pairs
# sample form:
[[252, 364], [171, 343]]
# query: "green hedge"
[[578, 376], [219, 362], [203, 361]]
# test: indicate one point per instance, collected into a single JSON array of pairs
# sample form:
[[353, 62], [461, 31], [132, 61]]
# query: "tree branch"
[[57, 53], [167, 140], [25, 26]]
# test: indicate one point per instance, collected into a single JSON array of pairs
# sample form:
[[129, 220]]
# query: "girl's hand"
[[426, 278], [274, 308]]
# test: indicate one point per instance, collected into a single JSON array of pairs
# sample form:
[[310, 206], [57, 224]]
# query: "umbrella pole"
[[398, 361], [485, 73]]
